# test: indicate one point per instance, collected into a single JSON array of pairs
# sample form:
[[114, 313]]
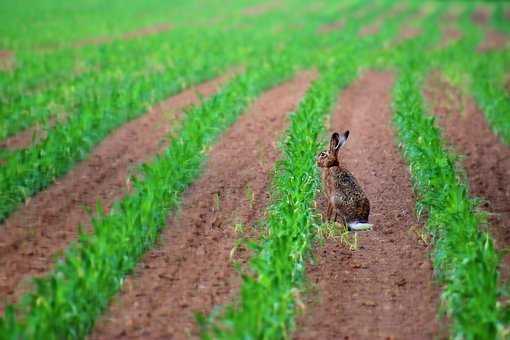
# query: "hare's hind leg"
[[329, 212]]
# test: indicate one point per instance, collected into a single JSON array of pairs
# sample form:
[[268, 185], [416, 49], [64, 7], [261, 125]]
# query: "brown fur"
[[347, 201]]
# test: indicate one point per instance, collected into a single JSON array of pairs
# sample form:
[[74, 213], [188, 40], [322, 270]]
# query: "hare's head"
[[329, 158]]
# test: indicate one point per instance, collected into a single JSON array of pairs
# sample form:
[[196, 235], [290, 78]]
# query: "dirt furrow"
[[35, 235], [7, 60], [139, 33], [486, 160], [191, 269], [32, 135], [337, 25], [385, 289], [493, 41]]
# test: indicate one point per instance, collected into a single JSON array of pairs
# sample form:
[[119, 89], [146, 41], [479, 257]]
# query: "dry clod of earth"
[[370, 293], [487, 160], [35, 235], [191, 269]]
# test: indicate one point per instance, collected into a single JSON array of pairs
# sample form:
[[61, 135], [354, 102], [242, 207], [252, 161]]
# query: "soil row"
[[33, 237], [385, 289]]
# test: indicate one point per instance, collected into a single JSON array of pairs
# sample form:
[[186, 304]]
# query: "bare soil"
[[371, 29], [7, 60], [141, 32], [31, 135], [406, 33], [481, 16], [191, 269], [261, 8], [35, 235], [450, 34], [494, 40], [337, 25], [486, 159], [385, 289]]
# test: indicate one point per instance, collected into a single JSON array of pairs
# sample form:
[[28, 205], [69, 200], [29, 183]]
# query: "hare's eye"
[[323, 154]]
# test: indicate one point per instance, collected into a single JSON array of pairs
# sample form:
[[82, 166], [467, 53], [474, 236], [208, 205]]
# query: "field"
[[158, 174]]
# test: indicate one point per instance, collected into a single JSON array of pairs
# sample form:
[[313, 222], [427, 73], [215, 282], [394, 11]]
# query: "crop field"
[[158, 175]]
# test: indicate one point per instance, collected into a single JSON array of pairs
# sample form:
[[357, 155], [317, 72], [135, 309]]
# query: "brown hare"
[[347, 202]]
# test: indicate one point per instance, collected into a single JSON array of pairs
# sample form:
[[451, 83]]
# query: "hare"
[[347, 202]]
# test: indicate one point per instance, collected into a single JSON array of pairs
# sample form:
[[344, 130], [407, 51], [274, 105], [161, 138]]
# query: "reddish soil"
[[494, 40], [30, 135], [481, 16], [7, 61], [261, 8], [406, 33], [487, 160], [35, 235], [450, 34], [334, 26], [385, 289], [141, 32], [191, 269], [371, 29]]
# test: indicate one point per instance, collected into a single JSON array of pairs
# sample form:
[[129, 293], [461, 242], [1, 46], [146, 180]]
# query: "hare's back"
[[345, 182]]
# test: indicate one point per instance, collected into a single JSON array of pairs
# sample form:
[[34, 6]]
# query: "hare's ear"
[[343, 138], [337, 141], [334, 143]]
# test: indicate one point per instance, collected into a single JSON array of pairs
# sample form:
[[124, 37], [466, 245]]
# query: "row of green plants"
[[464, 258], [66, 303], [501, 16]]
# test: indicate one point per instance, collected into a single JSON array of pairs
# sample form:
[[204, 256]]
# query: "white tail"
[[356, 226]]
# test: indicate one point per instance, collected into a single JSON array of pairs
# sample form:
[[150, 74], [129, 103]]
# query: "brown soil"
[[7, 60], [191, 269], [408, 32], [337, 25], [371, 29], [35, 235], [261, 8], [31, 135], [385, 289], [450, 34], [494, 40], [141, 32], [481, 16], [487, 160]]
